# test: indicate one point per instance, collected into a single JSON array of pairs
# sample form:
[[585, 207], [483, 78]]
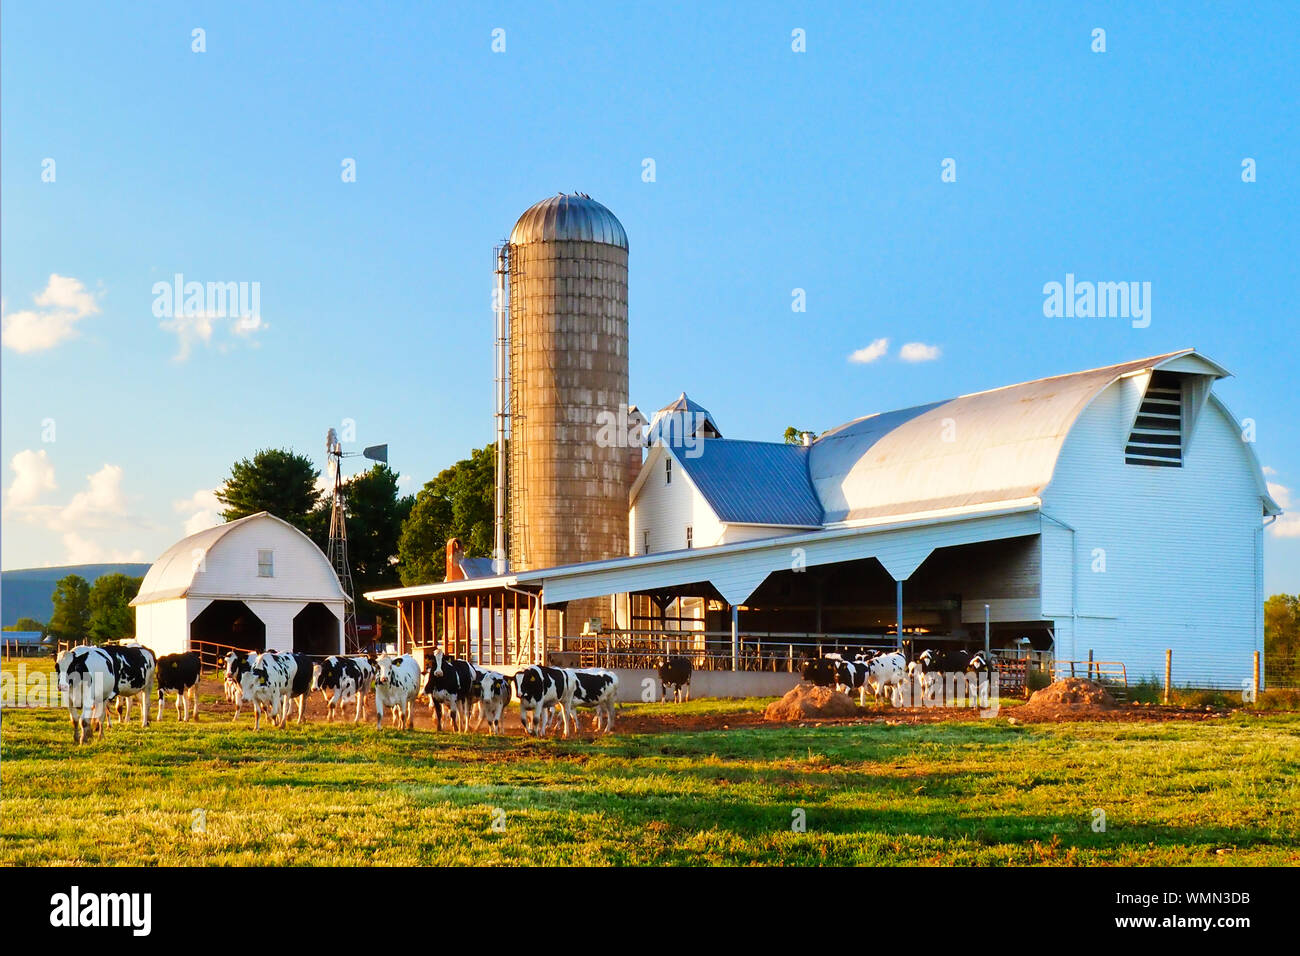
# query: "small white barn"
[[254, 583]]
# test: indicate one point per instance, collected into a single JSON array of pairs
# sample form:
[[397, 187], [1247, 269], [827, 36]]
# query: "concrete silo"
[[568, 368]]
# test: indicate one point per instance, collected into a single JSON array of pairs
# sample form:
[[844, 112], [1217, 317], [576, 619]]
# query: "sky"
[[914, 175]]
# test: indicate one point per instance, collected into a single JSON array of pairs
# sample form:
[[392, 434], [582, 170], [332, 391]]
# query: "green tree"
[[26, 624], [275, 480], [794, 436], [71, 618], [374, 511], [458, 503], [1282, 636], [111, 616]]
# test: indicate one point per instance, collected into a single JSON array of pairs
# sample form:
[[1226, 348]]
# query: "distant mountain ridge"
[[29, 592]]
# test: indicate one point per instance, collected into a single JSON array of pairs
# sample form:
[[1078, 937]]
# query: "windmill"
[[338, 546]]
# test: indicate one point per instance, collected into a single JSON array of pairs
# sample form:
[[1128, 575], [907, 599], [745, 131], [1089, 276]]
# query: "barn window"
[[645, 537], [668, 471], [266, 564], [690, 535], [1157, 436]]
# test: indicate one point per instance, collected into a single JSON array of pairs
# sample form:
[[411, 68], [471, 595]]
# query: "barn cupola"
[[682, 421], [1165, 421]]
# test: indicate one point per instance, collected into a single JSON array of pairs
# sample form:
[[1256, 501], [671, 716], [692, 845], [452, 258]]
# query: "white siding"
[[230, 567], [666, 508], [1178, 544], [163, 626]]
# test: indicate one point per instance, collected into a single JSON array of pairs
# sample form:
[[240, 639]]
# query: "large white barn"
[[1117, 511], [256, 583]]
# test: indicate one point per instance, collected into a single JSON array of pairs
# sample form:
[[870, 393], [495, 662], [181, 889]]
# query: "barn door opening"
[[316, 630], [230, 623]]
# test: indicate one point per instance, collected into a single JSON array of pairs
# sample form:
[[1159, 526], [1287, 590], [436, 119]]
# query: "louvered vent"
[[1157, 436]]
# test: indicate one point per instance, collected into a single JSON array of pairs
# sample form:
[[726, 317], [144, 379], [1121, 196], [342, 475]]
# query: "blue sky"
[[774, 170]]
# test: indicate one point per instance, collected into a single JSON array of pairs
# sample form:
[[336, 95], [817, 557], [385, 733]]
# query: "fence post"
[[1169, 671], [1090, 663], [1256, 677]]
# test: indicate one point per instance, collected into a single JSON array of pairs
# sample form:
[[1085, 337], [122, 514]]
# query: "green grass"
[[965, 793]]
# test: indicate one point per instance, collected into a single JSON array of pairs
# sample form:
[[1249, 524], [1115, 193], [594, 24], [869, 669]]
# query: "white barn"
[[1117, 511], [255, 583]]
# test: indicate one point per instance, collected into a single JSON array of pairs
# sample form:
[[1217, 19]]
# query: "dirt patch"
[[1071, 697], [806, 701]]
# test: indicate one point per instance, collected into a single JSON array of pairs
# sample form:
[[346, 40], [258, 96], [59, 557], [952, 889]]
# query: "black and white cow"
[[852, 675], [85, 680], [237, 662], [541, 689], [887, 674], [265, 685], [180, 673], [491, 693], [340, 680], [674, 672], [299, 684], [597, 688], [451, 684], [133, 669], [821, 671], [397, 684]]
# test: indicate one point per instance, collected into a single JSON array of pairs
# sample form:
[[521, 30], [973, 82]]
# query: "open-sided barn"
[[1117, 511], [255, 583]]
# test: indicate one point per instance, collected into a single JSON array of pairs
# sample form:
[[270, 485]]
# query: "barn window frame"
[[668, 471], [690, 537], [265, 563]]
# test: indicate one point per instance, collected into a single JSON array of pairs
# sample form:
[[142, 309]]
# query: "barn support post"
[[986, 629], [400, 644], [898, 607], [735, 638], [1169, 671], [1255, 681]]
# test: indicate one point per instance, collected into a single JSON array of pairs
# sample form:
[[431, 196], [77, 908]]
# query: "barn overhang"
[[737, 570]]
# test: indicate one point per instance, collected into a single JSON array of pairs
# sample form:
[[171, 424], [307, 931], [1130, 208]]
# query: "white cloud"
[[918, 352], [202, 510], [189, 330], [1287, 525], [872, 352], [101, 505], [80, 550], [33, 476], [63, 304], [193, 329], [1269, 471]]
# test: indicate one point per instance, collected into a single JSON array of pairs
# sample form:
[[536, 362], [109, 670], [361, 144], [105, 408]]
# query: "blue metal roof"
[[24, 638], [754, 482]]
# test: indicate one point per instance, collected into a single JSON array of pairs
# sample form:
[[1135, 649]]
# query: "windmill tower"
[[337, 552]]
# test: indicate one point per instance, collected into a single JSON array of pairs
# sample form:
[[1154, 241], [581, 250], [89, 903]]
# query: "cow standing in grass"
[[491, 693], [451, 684], [180, 674], [597, 688], [265, 685], [237, 662], [540, 690], [674, 672], [133, 676], [85, 679], [397, 684], [340, 680]]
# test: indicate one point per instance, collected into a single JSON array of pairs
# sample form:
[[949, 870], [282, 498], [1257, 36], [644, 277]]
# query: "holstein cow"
[[450, 683], [299, 684], [85, 677], [133, 673], [674, 672], [597, 688], [265, 685], [491, 692], [850, 675], [237, 662], [397, 683], [179, 673], [821, 671], [886, 672], [340, 679], [541, 688]]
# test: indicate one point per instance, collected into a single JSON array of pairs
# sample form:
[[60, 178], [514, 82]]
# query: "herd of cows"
[[92, 677], [886, 673]]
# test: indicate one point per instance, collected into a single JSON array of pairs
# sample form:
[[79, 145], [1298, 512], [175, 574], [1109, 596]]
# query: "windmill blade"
[[376, 453]]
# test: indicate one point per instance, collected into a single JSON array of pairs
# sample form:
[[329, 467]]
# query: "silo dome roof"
[[569, 216]]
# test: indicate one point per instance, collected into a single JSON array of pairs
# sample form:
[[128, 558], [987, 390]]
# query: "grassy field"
[[977, 792]]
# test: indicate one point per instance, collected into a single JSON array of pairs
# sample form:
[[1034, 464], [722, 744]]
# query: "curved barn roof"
[[174, 573], [999, 445]]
